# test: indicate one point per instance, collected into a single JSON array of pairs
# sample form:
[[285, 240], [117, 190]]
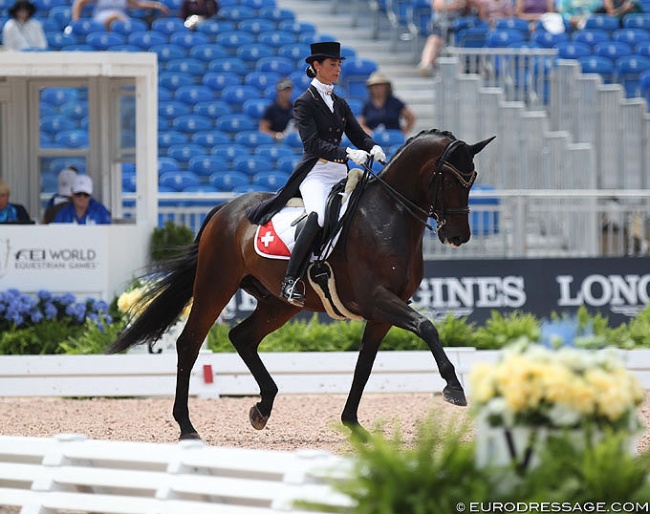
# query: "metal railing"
[[508, 223]]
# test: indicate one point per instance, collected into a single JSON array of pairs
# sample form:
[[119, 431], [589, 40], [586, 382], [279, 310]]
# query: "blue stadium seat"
[[637, 21], [178, 180], [300, 81], [292, 139], [297, 52], [631, 36], [127, 27], [231, 41], [472, 37], [253, 52], [126, 48], [287, 163], [212, 108], [251, 164], [237, 13], [230, 64], [590, 37], [172, 109], [167, 138], [62, 14], [210, 138], [547, 39], [229, 151], [389, 137], [186, 65], [58, 163], [253, 138], [128, 182], [217, 81], [56, 123], [74, 110], [228, 180], [211, 28], [192, 123], [188, 39], [208, 52], [602, 22], [45, 109], [58, 40], [194, 94], [257, 5], [206, 165], [315, 37], [167, 164], [84, 26], [256, 26], [643, 48], [49, 25], [48, 182], [573, 50], [280, 65], [276, 38], [262, 79], [255, 107], [235, 96], [518, 24], [598, 64], [168, 52], [270, 180], [278, 15], [104, 40], [273, 151], [298, 28], [184, 152], [72, 138], [173, 80], [174, 6], [232, 123], [628, 72], [168, 26], [146, 39], [80, 47], [503, 38], [612, 49]]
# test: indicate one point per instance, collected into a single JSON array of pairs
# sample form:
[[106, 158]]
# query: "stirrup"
[[291, 291]]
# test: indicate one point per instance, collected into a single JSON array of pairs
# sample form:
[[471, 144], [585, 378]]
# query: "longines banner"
[[616, 287]]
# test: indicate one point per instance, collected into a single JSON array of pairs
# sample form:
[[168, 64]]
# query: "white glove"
[[358, 156], [378, 154]]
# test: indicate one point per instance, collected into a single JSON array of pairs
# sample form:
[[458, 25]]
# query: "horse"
[[377, 270]]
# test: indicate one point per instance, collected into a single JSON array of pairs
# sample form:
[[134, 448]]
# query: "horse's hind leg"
[[372, 336], [269, 315]]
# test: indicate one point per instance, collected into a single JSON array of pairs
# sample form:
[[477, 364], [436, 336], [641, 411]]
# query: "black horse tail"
[[164, 298]]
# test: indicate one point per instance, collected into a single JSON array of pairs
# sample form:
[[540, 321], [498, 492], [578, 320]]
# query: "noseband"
[[439, 212]]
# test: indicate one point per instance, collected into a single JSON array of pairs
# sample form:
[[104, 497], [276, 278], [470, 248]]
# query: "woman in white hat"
[[383, 110], [83, 209], [22, 31], [321, 117]]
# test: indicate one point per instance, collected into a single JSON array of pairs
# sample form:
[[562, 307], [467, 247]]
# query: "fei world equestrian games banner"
[[615, 287]]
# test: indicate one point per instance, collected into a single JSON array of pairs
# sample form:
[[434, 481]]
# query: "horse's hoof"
[[454, 396], [258, 420], [190, 436]]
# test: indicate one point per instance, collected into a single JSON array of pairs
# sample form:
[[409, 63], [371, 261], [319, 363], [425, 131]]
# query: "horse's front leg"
[[392, 309], [269, 315], [372, 336]]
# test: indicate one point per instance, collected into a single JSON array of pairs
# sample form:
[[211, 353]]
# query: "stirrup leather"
[[291, 291]]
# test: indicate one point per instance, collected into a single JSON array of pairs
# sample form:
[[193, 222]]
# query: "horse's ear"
[[477, 147]]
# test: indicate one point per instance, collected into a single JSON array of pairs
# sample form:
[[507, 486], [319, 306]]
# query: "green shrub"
[[500, 330], [167, 241]]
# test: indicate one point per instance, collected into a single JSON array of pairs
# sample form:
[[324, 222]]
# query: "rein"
[[415, 210]]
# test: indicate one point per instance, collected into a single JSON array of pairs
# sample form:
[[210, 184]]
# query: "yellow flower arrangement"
[[128, 304], [534, 386]]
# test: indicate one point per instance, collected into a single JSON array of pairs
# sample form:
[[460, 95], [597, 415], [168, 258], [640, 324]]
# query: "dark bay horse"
[[377, 271]]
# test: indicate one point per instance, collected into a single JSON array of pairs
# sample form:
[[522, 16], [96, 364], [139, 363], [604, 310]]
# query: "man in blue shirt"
[[278, 116], [83, 209]]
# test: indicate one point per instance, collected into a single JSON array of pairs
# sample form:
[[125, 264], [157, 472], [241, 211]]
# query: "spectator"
[[194, 12], [619, 8], [83, 209], [444, 14], [108, 11], [65, 180], [11, 212], [22, 31], [277, 119], [322, 117], [492, 10], [533, 10], [383, 110], [576, 12]]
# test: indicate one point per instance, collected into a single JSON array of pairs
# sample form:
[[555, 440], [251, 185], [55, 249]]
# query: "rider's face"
[[328, 71]]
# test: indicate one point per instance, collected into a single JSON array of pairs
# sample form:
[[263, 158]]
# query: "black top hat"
[[324, 50], [22, 4]]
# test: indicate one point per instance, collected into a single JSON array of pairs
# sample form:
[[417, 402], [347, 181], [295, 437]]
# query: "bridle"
[[439, 212]]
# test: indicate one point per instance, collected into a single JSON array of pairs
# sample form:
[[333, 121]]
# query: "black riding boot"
[[292, 289]]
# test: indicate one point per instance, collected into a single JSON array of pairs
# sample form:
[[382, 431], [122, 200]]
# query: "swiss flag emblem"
[[269, 242]]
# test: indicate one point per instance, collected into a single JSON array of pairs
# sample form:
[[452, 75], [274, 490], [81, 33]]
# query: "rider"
[[321, 117]]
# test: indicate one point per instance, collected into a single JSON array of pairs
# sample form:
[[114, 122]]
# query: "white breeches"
[[317, 185]]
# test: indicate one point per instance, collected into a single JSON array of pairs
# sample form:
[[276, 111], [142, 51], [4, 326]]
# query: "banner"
[[617, 288]]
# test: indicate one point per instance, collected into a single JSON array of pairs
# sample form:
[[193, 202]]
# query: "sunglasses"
[[81, 195]]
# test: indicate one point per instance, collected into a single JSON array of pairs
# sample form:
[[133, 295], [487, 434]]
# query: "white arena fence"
[[69, 472], [547, 221], [224, 374]]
